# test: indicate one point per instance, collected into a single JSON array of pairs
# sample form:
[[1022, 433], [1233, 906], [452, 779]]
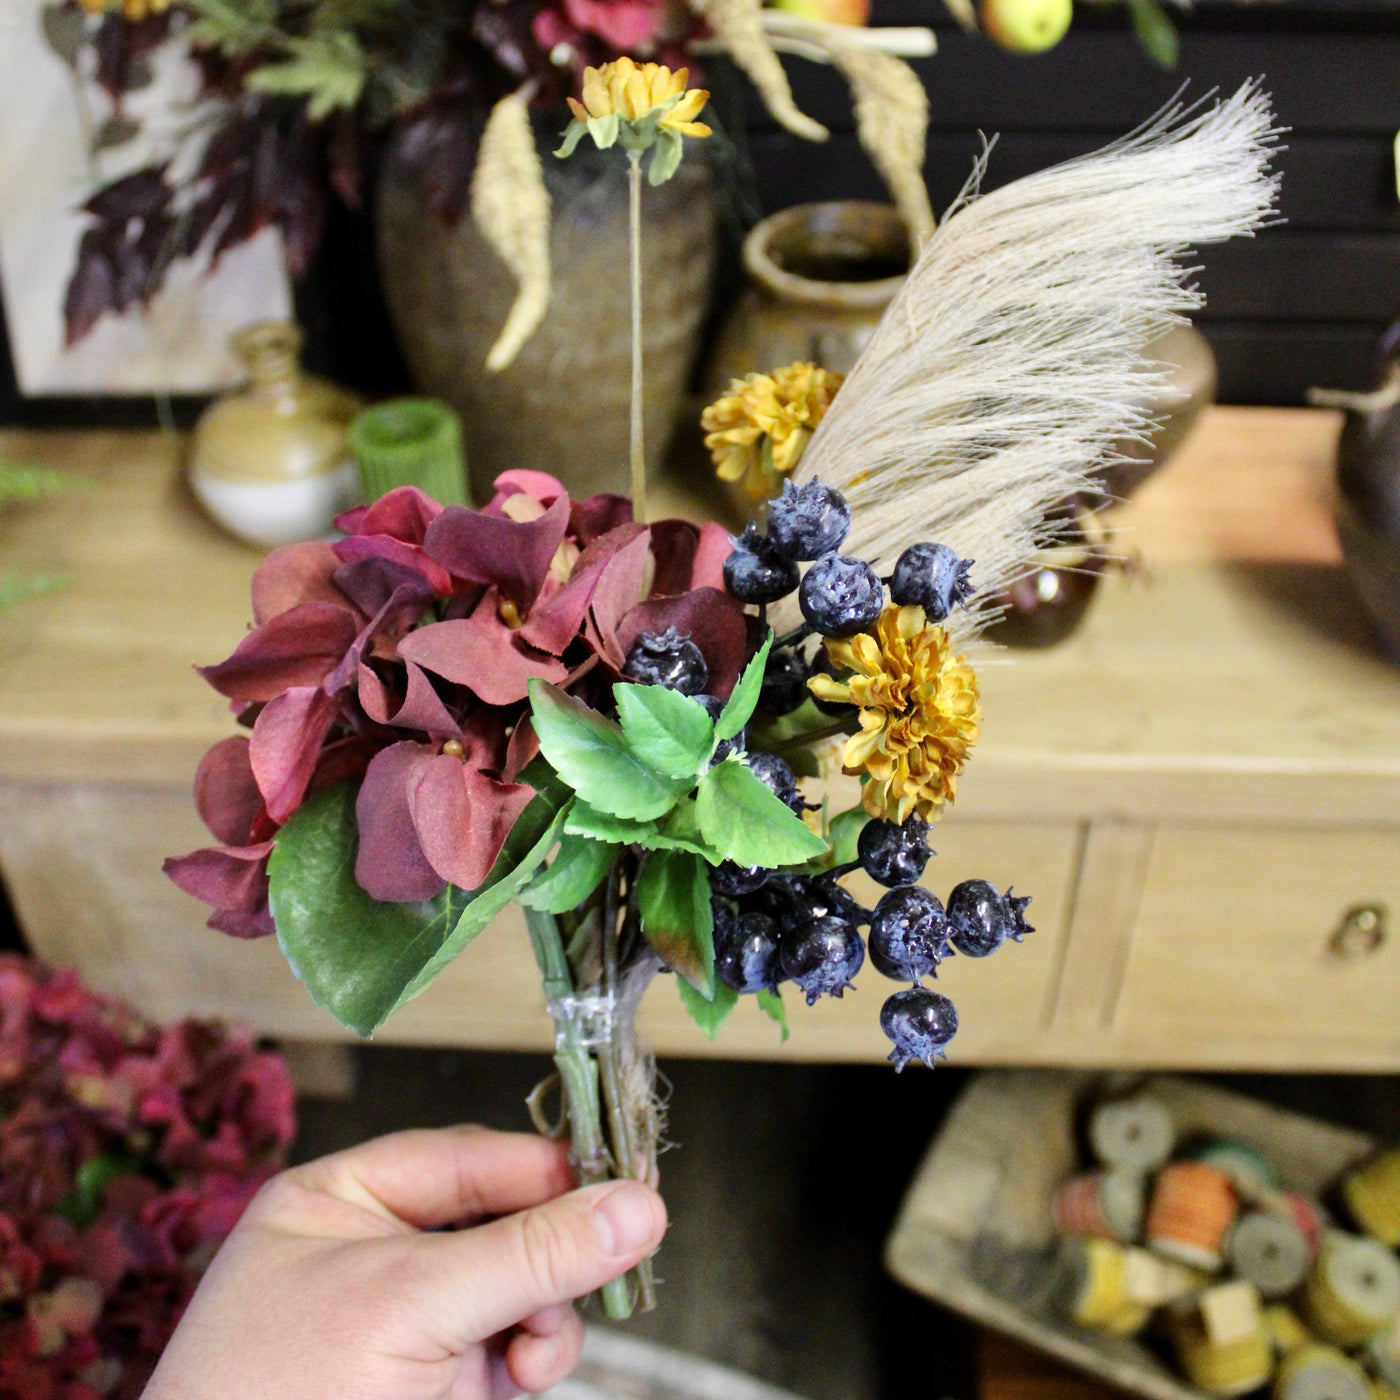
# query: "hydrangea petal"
[[715, 545], [463, 818], [421, 707], [226, 793], [294, 574], [492, 549], [619, 589], [231, 878], [403, 513], [390, 863], [286, 744], [295, 648]]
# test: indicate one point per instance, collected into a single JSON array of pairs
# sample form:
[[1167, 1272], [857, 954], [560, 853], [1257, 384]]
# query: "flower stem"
[[639, 462]]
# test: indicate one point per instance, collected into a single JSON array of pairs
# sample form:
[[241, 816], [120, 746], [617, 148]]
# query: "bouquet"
[[127, 1153], [609, 719]]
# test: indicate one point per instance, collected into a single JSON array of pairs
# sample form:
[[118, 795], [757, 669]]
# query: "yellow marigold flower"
[[631, 91], [131, 9], [919, 712], [758, 431]]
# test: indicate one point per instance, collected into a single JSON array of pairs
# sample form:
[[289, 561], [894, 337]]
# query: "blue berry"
[[920, 1023], [668, 658], [784, 682], [908, 934], [822, 957], [830, 898], [841, 595], [933, 577], [808, 521], [736, 880], [981, 918], [714, 707], [746, 959], [775, 775], [755, 572], [894, 854]]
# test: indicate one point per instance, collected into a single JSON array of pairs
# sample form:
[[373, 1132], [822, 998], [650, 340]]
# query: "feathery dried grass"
[[511, 208], [1009, 364]]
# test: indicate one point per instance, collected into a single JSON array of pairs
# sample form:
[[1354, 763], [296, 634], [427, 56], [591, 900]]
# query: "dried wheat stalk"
[[511, 208], [1009, 364]]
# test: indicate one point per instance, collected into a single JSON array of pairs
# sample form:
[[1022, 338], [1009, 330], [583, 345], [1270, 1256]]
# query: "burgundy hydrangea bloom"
[[402, 655]]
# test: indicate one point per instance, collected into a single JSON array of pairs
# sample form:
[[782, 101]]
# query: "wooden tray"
[[974, 1231]]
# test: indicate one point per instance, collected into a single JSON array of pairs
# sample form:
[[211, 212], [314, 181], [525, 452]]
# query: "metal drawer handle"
[[1361, 932]]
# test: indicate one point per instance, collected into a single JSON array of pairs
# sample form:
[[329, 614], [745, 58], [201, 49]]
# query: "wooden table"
[[1195, 788]]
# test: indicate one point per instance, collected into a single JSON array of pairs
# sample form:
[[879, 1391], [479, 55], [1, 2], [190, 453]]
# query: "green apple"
[[1027, 26], [832, 11]]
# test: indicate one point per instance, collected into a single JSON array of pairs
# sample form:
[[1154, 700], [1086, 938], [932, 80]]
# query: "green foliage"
[[233, 27], [743, 700], [666, 730], [742, 819], [19, 482], [708, 1014], [360, 958], [575, 873], [665, 156], [1154, 31], [673, 895], [844, 832], [771, 1004], [15, 587], [328, 68], [592, 755]]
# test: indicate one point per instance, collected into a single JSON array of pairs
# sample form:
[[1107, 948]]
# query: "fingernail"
[[624, 1219]]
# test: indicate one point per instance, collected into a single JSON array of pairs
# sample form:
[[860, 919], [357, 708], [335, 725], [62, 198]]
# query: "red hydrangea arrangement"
[[127, 1154]]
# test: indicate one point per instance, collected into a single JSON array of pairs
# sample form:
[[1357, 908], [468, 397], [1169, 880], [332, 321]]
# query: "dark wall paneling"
[[1272, 363]]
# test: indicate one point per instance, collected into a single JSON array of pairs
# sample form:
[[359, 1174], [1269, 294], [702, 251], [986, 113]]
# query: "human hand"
[[330, 1289]]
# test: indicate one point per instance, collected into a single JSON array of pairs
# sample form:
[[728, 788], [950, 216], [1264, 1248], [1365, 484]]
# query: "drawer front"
[[1239, 955]]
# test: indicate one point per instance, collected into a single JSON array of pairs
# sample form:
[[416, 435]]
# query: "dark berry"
[[908, 934], [784, 682], [775, 775], [893, 854], [921, 1023], [808, 521], [933, 577], [735, 880], [836, 899], [668, 658], [822, 666], [755, 572], [841, 595], [714, 707], [747, 959], [822, 957], [981, 918]]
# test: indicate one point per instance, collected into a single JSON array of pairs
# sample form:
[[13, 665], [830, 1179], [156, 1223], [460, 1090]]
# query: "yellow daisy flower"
[[631, 91], [758, 431], [919, 712]]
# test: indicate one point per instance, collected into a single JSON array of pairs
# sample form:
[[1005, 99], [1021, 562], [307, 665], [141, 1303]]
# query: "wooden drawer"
[[1232, 958]]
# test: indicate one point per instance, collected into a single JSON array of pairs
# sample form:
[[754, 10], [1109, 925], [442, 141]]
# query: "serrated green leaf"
[[1155, 32], [665, 729], [592, 755], [709, 1015], [681, 832], [361, 958], [771, 1004], [673, 894], [586, 820], [573, 875], [742, 819], [844, 833], [743, 699], [327, 68]]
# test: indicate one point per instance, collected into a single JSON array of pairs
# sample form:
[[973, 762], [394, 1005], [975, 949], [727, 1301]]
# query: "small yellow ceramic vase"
[[270, 461]]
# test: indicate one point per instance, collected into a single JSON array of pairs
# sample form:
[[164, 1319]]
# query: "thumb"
[[490, 1277]]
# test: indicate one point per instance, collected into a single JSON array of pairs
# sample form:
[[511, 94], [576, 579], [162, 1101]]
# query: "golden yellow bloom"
[[628, 90], [918, 712], [131, 9], [758, 431]]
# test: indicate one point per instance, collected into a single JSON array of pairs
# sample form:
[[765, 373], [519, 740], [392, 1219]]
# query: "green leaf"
[[1154, 31], [361, 958], [742, 819], [673, 894], [327, 68], [90, 1183], [15, 586], [665, 156], [586, 820], [681, 832], [603, 130], [844, 832], [771, 1004], [665, 729], [575, 873], [592, 755], [708, 1015], [573, 134], [233, 27], [743, 699]]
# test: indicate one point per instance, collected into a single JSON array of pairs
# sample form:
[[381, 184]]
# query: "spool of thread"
[[1150, 1279], [1106, 1204], [1319, 1372], [1271, 1251], [1096, 1292], [1193, 1207], [1222, 1343], [1250, 1171], [1285, 1329], [1135, 1133], [1305, 1213], [1383, 1353], [1383, 1390], [1372, 1196], [410, 442], [1352, 1291]]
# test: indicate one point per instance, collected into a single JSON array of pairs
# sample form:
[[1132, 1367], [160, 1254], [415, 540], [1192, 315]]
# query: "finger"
[[548, 1320], [487, 1279], [537, 1363], [432, 1177]]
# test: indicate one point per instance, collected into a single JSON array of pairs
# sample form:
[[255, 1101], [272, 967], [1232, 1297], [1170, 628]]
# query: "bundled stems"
[[639, 466]]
